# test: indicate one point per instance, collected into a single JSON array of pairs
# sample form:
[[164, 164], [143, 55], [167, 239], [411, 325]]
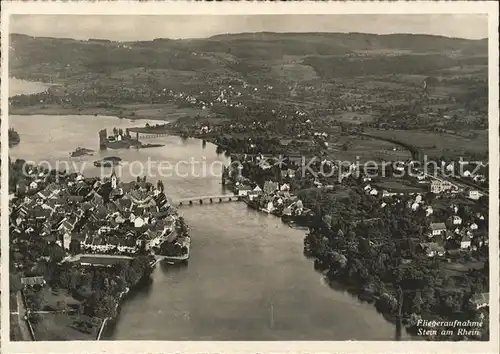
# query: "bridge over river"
[[207, 199]]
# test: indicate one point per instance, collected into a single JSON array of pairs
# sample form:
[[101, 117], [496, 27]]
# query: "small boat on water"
[[146, 146]]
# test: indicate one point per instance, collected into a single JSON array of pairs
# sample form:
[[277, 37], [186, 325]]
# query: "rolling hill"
[[250, 56]]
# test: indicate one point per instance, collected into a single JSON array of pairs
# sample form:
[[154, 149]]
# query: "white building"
[[284, 187], [437, 228], [474, 194], [66, 241], [466, 241], [257, 189], [456, 220], [139, 222], [269, 208], [243, 190], [114, 180], [440, 186]]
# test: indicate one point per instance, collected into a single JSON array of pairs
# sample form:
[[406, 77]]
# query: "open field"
[[352, 117], [444, 203], [354, 148], [437, 144], [400, 186], [165, 112], [161, 111], [51, 326], [295, 72], [54, 299], [15, 331]]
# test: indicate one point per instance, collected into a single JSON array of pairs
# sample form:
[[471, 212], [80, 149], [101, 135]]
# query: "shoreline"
[[110, 322], [118, 304], [85, 111]]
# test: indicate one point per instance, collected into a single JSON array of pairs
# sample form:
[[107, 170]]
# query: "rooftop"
[[438, 226]]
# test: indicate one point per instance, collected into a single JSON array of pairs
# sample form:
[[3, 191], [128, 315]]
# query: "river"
[[247, 278]]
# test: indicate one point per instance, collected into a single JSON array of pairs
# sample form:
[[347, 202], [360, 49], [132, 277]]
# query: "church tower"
[[114, 180]]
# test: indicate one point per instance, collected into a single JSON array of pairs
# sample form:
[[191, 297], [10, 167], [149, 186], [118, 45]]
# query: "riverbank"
[[58, 110], [168, 112], [109, 323], [105, 321]]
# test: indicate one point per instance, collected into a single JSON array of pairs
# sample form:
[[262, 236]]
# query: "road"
[[21, 312]]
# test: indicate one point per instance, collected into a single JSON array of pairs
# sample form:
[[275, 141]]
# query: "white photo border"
[[246, 8]]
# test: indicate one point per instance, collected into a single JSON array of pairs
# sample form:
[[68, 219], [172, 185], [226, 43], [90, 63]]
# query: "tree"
[[56, 252], [131, 276], [61, 306], [64, 279], [104, 306], [15, 283], [36, 301], [75, 246], [417, 303], [34, 317], [387, 303]]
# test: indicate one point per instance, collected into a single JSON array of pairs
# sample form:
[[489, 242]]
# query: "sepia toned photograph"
[[258, 177]]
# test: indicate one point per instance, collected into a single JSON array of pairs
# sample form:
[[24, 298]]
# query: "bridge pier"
[[190, 202], [201, 201], [211, 200], [220, 200]]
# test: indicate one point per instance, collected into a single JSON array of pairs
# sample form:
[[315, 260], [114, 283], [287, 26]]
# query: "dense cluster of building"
[[92, 215]]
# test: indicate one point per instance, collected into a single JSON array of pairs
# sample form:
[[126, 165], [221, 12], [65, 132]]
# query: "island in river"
[[82, 152], [121, 139], [108, 161]]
